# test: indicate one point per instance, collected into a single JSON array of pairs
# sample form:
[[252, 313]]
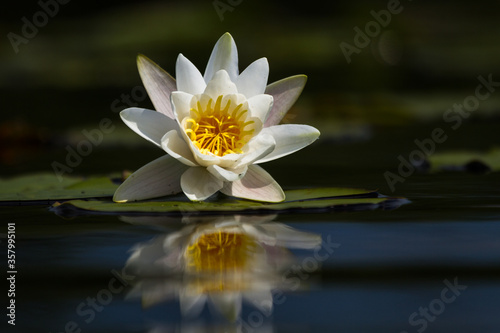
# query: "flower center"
[[218, 130], [220, 251]]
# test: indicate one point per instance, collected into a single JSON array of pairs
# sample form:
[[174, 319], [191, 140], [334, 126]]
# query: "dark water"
[[431, 265]]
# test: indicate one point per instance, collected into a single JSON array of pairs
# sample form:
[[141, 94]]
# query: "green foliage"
[[472, 161], [75, 192], [47, 187], [307, 200]]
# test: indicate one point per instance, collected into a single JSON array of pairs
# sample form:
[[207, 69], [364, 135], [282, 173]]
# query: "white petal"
[[258, 147], [264, 237], [191, 303], [181, 103], [224, 56], [153, 293], [221, 84], [204, 159], [229, 161], [289, 139], [198, 184], [149, 124], [227, 303], [159, 84], [261, 299], [189, 78], [173, 144], [145, 257], [285, 92], [292, 238], [253, 80], [257, 185], [156, 179], [260, 106], [226, 175]]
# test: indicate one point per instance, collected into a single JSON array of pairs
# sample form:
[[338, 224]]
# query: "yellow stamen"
[[218, 130], [220, 251]]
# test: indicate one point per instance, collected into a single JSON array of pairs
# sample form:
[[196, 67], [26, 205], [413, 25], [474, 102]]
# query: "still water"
[[431, 265]]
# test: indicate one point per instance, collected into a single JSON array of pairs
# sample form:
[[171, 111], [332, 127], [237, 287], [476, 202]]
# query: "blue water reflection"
[[223, 262], [377, 275]]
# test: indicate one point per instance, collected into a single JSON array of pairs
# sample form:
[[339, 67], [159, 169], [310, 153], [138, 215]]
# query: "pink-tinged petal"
[[220, 84], [260, 106], [149, 124], [285, 92], [224, 56], [289, 139], [198, 184], [181, 103], [173, 144], [258, 147], [189, 78], [227, 175], [253, 80], [257, 185], [156, 179], [159, 84]]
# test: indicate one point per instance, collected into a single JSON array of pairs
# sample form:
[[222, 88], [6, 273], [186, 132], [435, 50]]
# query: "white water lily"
[[215, 128]]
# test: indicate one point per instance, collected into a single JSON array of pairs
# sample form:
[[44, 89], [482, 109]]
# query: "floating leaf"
[[49, 187], [328, 192], [471, 161], [320, 199]]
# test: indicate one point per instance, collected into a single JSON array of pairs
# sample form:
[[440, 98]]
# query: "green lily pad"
[[48, 187], [320, 199], [328, 192], [74, 193], [471, 161]]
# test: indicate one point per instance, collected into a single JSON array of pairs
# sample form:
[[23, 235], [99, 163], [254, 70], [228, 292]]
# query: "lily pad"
[[47, 187], [307, 200], [470, 161], [74, 193]]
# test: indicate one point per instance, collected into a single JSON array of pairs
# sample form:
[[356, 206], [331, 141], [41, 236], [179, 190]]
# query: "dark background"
[[67, 77]]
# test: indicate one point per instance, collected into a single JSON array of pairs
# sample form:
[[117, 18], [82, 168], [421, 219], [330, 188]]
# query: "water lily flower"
[[215, 128], [220, 261]]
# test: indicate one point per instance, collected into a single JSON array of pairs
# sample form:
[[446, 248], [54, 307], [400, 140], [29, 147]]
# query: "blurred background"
[[78, 67]]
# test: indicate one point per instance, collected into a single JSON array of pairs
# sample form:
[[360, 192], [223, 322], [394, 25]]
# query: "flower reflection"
[[219, 261]]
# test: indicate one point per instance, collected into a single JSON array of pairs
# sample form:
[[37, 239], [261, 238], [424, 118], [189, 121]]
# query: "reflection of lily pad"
[[322, 199], [470, 161], [48, 187]]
